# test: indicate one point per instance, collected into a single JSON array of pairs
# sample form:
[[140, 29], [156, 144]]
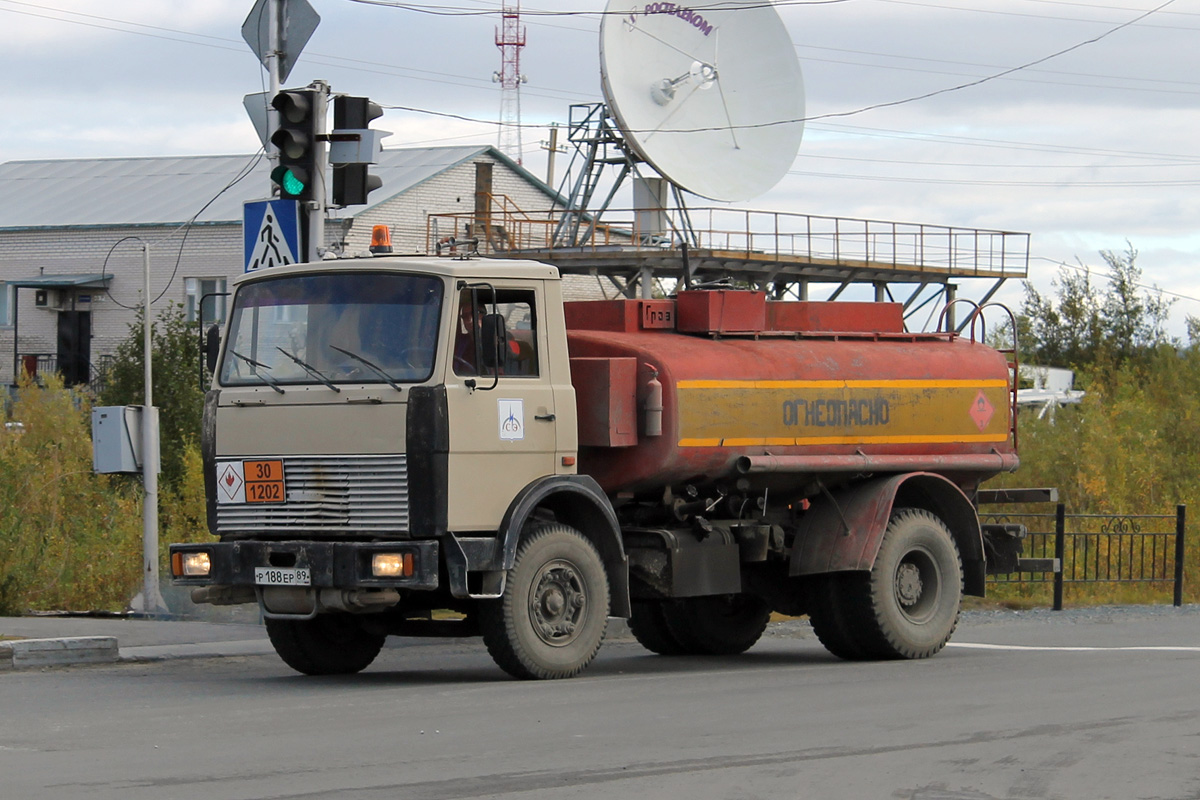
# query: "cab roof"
[[472, 269]]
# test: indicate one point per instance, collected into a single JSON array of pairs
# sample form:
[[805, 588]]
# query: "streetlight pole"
[[152, 600]]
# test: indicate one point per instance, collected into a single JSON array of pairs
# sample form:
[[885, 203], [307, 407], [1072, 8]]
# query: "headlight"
[[392, 565], [193, 565]]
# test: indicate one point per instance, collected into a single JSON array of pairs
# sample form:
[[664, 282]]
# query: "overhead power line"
[[442, 10], [1089, 270], [1048, 184], [1001, 74]]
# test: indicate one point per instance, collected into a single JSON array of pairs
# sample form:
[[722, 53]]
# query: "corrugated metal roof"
[[168, 190]]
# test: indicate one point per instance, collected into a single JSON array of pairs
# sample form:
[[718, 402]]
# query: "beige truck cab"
[[378, 435]]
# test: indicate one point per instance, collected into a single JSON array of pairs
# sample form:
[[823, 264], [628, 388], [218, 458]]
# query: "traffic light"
[[353, 147], [300, 122]]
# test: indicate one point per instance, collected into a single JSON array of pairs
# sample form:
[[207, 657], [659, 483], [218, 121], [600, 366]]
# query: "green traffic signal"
[[289, 180], [300, 123]]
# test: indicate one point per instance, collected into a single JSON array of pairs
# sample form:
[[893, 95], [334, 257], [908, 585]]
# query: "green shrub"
[[68, 538]]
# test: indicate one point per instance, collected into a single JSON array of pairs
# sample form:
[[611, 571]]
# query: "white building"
[[71, 234]]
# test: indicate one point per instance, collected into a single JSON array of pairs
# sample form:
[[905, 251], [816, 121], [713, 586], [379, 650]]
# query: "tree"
[[1134, 322], [1084, 326], [174, 347]]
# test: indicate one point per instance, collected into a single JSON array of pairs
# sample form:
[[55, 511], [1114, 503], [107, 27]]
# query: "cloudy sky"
[[1086, 151]]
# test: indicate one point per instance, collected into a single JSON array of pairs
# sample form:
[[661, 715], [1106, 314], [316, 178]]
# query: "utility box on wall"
[[117, 439]]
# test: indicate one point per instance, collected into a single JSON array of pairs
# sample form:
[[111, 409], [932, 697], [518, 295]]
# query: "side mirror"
[[494, 339], [212, 347]]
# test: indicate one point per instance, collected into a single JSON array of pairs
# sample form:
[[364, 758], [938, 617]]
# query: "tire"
[[915, 588], [649, 626], [906, 607], [717, 625], [550, 621], [827, 613], [328, 644]]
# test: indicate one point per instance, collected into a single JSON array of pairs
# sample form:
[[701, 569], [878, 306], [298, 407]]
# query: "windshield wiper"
[[309, 368], [373, 367], [267, 379]]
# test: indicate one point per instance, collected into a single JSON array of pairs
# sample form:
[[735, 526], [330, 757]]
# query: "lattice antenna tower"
[[510, 38]]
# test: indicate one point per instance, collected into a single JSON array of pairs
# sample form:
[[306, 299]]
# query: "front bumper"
[[341, 565]]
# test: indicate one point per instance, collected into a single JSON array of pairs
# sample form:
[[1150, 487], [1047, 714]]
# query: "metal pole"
[[16, 343], [152, 601], [274, 64], [1180, 526], [316, 214], [1060, 537], [553, 150]]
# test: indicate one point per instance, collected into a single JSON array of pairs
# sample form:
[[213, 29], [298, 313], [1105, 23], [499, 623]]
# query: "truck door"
[[502, 431]]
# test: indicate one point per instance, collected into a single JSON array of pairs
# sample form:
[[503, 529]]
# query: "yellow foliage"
[[69, 538], [1132, 447]]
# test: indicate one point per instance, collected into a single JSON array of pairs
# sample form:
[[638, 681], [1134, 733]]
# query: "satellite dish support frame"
[[593, 132]]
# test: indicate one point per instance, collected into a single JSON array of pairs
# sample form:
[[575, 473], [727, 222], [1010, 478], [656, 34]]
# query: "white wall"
[[208, 251], [215, 250]]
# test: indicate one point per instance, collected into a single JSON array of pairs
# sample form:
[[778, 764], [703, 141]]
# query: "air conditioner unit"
[[47, 298]]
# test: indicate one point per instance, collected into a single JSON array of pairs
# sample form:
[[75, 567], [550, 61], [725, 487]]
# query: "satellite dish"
[[709, 95]]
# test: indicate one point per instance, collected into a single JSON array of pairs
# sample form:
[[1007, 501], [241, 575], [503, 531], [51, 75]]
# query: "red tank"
[[751, 389]]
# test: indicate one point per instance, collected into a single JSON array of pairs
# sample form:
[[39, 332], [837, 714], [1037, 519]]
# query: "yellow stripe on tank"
[[738, 413]]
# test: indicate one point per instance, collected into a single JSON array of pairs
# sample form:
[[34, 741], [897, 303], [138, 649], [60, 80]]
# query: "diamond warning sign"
[[230, 482], [982, 410]]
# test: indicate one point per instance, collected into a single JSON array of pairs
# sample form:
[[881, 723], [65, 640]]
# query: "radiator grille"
[[330, 495]]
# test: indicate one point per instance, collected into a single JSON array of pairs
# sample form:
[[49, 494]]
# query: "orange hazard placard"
[[264, 481]]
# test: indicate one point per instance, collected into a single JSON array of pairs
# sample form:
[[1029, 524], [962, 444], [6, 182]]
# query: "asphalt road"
[[437, 720]]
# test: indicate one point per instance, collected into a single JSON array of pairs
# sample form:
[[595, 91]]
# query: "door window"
[[519, 351]]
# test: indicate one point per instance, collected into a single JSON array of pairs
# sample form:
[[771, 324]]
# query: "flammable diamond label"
[[982, 410], [230, 482]]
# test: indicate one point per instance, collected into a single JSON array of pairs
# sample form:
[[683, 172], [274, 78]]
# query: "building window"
[[214, 307], [6, 304]]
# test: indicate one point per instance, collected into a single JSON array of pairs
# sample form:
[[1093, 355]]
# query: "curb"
[[72, 650], [31, 653], [249, 647]]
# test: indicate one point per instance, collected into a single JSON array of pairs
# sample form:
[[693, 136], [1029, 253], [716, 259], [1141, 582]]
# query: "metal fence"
[[1101, 548], [37, 364]]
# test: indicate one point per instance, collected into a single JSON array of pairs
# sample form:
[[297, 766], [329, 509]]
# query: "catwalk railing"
[[752, 235]]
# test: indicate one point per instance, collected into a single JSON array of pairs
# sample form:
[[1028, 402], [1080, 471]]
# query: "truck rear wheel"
[[649, 626], [717, 625], [916, 588], [328, 644], [828, 614], [907, 606], [550, 621]]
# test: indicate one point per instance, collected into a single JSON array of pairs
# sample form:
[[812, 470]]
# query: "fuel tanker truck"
[[392, 439]]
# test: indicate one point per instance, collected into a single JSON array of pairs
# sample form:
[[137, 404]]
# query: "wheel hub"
[[908, 584], [557, 603]]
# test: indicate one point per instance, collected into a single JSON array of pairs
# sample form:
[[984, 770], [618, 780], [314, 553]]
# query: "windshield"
[[354, 327]]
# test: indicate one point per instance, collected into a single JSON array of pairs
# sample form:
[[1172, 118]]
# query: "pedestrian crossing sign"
[[271, 229]]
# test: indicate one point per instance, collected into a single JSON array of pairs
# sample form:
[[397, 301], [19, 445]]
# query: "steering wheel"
[[418, 356]]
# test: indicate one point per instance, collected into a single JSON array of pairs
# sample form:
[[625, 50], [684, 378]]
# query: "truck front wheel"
[[550, 621], [328, 644]]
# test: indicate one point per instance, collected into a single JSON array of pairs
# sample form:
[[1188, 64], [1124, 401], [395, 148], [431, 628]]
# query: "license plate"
[[282, 576], [264, 481]]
